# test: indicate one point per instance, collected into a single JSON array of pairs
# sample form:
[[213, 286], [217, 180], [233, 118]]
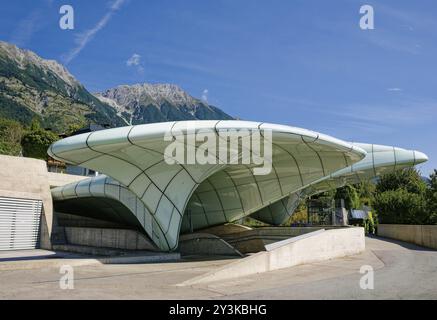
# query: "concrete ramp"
[[308, 248], [255, 240]]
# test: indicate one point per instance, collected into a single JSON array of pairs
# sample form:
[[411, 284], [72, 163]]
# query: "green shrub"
[[401, 207], [350, 196], [36, 141], [403, 197], [370, 223], [408, 179], [10, 137], [432, 197], [366, 192]]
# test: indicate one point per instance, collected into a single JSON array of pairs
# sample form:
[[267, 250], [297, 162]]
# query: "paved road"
[[402, 271]]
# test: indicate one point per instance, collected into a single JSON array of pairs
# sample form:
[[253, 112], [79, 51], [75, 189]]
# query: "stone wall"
[[422, 235]]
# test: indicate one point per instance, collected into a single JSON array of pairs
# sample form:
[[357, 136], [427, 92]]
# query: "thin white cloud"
[[84, 38], [28, 26], [406, 112], [393, 41], [205, 95], [412, 19], [392, 38], [116, 5], [394, 89], [403, 111], [135, 61]]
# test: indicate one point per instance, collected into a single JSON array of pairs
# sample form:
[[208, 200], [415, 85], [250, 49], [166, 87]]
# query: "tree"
[[408, 179], [350, 196], [432, 197], [401, 197], [300, 215], [73, 128], [401, 207], [11, 133], [36, 141], [366, 192]]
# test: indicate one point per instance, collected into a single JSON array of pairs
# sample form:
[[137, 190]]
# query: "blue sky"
[[302, 63]]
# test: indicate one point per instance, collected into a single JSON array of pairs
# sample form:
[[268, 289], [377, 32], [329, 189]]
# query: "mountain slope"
[[33, 87], [144, 103]]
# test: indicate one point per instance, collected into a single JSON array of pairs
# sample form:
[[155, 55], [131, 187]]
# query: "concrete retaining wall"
[[61, 179], [108, 238], [422, 235], [27, 178], [70, 220], [257, 239], [205, 244], [226, 229], [317, 246]]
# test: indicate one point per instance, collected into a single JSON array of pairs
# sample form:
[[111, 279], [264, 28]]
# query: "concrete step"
[[110, 255], [89, 250], [76, 256]]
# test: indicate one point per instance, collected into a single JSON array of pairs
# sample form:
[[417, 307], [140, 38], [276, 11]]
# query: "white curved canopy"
[[378, 161], [213, 193]]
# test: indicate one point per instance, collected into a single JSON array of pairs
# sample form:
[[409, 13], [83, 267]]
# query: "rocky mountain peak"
[[31, 86], [147, 102], [25, 57], [155, 93]]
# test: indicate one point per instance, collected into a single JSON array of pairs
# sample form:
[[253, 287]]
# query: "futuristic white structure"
[[140, 188], [378, 161]]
